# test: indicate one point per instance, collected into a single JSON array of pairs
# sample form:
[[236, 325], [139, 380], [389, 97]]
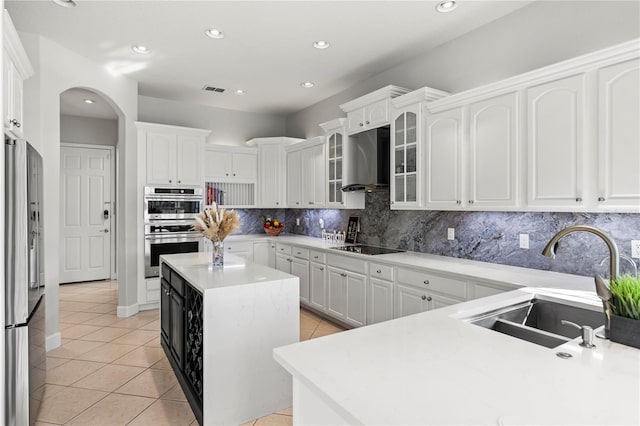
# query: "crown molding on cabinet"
[[279, 140], [583, 63], [386, 92], [306, 143], [423, 94], [166, 128], [332, 125], [13, 46]]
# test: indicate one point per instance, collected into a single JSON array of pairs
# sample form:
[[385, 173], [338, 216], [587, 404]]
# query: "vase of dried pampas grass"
[[215, 224]]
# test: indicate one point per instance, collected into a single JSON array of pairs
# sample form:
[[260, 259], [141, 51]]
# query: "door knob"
[[104, 230]]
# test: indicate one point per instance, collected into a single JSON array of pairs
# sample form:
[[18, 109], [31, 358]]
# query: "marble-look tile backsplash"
[[485, 236]]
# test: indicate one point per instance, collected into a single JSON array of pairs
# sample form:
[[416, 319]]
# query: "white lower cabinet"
[[419, 291], [411, 300], [347, 295], [300, 268], [264, 253], [318, 286], [294, 261], [379, 300]]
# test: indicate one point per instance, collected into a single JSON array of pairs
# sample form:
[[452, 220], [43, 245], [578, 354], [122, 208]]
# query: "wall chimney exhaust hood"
[[367, 167]]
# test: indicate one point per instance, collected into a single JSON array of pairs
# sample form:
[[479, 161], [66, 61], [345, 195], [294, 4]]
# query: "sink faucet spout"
[[614, 257]]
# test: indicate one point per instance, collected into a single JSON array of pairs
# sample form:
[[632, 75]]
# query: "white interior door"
[[85, 228]]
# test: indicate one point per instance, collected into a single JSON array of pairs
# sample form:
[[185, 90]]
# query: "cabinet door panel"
[[282, 263], [318, 286], [336, 300], [6, 89], [300, 268], [409, 301], [556, 142], [377, 114], [313, 176], [161, 158], [293, 179], [177, 327], [380, 301], [493, 152], [165, 309], [189, 158], [356, 313], [271, 180], [355, 121], [218, 164], [619, 149], [443, 159], [244, 166]]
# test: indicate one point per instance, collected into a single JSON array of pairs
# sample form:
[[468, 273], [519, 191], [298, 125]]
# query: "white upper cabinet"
[[619, 135], [313, 175], [173, 154], [443, 160], [294, 186], [272, 170], [229, 163], [556, 143], [493, 152], [15, 69], [371, 110], [405, 158]]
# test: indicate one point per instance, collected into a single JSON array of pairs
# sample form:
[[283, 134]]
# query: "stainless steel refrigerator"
[[25, 353]]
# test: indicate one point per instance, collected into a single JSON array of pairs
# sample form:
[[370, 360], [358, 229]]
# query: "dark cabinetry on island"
[[181, 329]]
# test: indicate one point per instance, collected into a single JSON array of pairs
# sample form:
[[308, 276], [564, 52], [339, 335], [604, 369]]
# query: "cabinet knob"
[[367, 122], [426, 282], [170, 181], [179, 181], [234, 174], [310, 202], [470, 201], [297, 202], [424, 297], [342, 274], [322, 268], [601, 199], [290, 259], [298, 252], [273, 246], [361, 125], [15, 122], [226, 174], [429, 299], [578, 200], [378, 271], [277, 203], [458, 201]]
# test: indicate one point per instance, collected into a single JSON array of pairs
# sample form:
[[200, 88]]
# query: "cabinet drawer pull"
[[226, 174], [298, 252], [315, 257], [281, 249], [342, 274], [310, 202], [458, 201], [578, 200], [15, 123], [378, 271], [424, 297], [470, 201], [277, 203], [601, 199], [234, 174]]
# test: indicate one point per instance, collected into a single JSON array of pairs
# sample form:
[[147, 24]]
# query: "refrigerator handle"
[[33, 261]]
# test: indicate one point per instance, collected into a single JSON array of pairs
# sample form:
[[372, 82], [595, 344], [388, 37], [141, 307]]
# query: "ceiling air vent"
[[213, 89]]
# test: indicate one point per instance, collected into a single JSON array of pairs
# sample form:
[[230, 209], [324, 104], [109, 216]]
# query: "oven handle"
[[193, 237], [173, 198]]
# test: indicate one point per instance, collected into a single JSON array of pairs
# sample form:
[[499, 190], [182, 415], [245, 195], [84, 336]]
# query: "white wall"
[[228, 127], [88, 130], [58, 69], [537, 35]]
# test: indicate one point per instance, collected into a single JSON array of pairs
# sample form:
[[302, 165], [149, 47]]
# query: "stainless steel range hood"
[[367, 166]]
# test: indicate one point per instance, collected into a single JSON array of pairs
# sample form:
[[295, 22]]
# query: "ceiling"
[[72, 102], [267, 48]]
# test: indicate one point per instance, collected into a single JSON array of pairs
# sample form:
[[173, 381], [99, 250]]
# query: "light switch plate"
[[451, 234], [524, 241], [635, 249]]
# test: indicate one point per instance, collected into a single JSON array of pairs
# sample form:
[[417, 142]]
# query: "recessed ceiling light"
[[139, 48], [213, 33], [307, 85], [446, 6], [240, 92], [89, 101], [320, 44], [65, 3]]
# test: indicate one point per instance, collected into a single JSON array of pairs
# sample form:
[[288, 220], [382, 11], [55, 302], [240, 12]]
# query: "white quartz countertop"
[[196, 268], [434, 369], [472, 269]]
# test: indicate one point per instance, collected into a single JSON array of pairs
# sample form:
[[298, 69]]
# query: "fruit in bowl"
[[272, 227]]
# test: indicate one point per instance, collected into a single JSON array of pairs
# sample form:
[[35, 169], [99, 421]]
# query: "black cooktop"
[[370, 250]]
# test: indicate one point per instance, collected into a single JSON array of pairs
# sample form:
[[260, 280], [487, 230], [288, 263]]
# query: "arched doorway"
[[89, 136]]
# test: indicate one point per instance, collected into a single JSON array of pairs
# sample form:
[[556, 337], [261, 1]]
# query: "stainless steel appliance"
[[370, 250], [368, 161], [25, 359], [168, 237], [172, 203]]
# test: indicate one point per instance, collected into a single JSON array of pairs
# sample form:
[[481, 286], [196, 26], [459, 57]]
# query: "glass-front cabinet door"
[[334, 158], [405, 182]]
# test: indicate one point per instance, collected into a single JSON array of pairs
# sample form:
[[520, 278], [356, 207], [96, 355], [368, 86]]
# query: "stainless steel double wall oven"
[[169, 214]]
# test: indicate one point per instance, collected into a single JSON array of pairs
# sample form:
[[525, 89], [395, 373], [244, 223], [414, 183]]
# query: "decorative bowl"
[[273, 232]]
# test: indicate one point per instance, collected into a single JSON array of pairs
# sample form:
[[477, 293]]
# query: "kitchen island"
[[218, 329], [435, 368]]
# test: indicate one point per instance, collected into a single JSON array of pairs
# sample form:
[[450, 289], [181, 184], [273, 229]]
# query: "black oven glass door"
[[173, 208], [157, 248]]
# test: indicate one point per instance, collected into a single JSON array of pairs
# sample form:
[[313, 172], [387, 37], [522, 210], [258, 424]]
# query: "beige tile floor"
[[112, 371]]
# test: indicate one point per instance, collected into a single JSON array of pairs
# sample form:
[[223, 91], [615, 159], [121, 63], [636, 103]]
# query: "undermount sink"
[[539, 321]]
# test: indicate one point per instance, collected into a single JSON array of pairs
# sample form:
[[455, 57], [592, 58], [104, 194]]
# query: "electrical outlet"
[[297, 221], [451, 234], [321, 223], [635, 249], [524, 241]]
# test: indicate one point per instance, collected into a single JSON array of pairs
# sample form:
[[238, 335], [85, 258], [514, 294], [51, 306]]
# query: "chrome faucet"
[[614, 257]]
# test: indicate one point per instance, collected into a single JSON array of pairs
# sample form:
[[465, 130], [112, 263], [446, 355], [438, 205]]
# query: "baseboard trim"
[[127, 311], [148, 306], [53, 341]]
